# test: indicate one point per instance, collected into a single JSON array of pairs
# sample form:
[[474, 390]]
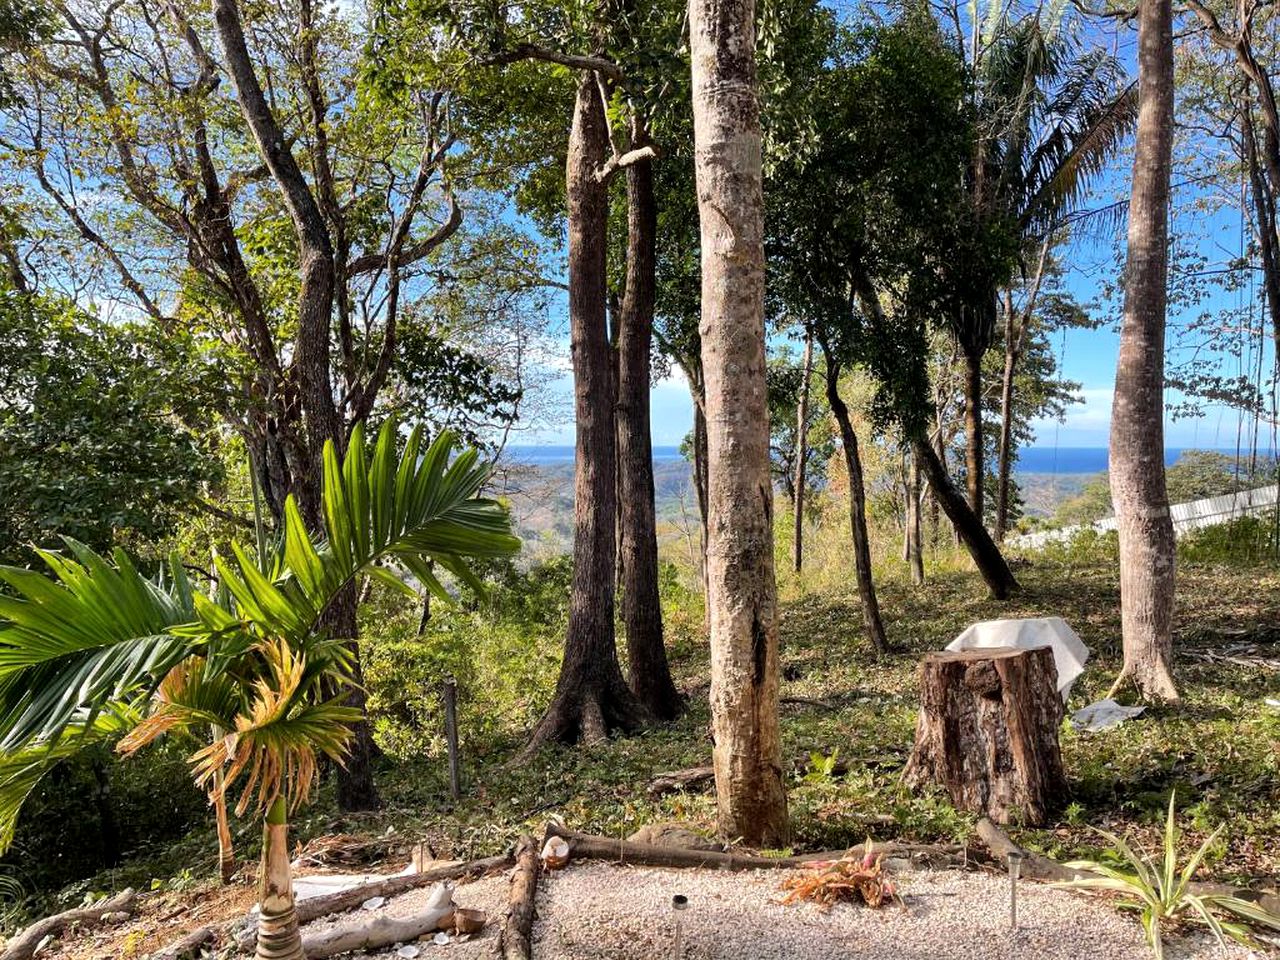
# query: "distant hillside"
[[541, 498]]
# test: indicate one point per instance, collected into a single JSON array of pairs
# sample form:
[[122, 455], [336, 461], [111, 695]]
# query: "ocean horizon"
[[1045, 460]]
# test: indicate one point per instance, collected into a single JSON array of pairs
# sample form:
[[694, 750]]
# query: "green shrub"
[[1247, 541]]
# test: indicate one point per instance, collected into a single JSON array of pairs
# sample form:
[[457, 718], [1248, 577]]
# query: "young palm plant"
[[254, 665], [1162, 892]]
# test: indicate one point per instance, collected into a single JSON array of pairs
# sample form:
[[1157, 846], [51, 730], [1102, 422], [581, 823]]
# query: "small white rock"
[[408, 951], [441, 938], [373, 903]]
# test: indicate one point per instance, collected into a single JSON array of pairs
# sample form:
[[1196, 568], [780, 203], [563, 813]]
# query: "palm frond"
[[95, 633]]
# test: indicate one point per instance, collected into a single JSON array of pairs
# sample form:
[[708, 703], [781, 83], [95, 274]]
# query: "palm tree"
[[1049, 115], [97, 645]]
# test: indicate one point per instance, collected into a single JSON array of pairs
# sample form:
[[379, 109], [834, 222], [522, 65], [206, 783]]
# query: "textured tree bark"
[[802, 455], [650, 674], [591, 696], [988, 733], [973, 431], [742, 595], [315, 311], [366, 934], [871, 621], [986, 555], [915, 532], [1137, 417]]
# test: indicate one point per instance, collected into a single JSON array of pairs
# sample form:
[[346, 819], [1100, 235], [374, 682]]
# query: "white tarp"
[[1069, 651], [1103, 715]]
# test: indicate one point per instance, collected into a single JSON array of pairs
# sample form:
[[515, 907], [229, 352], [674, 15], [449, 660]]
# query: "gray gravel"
[[595, 910]]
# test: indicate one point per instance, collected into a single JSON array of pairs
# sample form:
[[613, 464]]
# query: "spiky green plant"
[[1162, 892], [99, 642]]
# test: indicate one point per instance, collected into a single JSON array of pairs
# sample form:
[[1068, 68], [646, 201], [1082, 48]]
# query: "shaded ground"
[[1220, 750]]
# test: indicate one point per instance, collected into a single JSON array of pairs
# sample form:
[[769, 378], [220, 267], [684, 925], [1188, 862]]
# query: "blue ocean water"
[[1055, 460]]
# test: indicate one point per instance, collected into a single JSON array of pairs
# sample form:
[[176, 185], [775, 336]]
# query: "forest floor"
[[848, 722]]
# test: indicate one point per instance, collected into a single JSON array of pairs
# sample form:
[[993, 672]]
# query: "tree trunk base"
[[988, 733], [588, 715]]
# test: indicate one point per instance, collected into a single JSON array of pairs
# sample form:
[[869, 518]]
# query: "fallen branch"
[[675, 781], [590, 847], [186, 946], [244, 930], [23, 946], [382, 930], [1036, 867], [313, 908], [514, 940]]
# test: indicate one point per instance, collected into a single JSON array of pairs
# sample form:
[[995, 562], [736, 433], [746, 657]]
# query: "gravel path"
[[594, 910]]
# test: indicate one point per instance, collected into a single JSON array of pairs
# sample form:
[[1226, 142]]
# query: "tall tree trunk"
[[650, 674], [802, 454], [591, 696], [747, 754], [986, 555], [1014, 332], [700, 485], [1006, 422], [317, 271], [973, 429], [915, 535], [278, 935], [871, 621], [1137, 419], [356, 789]]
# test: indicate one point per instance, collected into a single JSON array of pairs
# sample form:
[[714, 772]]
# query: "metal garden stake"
[[679, 903], [1015, 870]]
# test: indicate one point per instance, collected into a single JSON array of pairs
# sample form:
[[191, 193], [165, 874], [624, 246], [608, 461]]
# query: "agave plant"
[[250, 668], [1163, 894]]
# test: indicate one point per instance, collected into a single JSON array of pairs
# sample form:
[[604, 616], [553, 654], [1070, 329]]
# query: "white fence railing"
[[1186, 516]]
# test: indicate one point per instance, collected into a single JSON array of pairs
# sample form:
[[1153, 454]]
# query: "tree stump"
[[988, 732]]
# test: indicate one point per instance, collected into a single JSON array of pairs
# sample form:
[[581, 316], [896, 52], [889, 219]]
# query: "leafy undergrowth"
[[848, 722]]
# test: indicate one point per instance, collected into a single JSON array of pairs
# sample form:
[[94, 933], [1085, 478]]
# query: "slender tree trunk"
[[1006, 422], [915, 535], [747, 754], [591, 696], [700, 484], [871, 621], [973, 430], [986, 555], [650, 674], [1137, 419], [108, 827], [317, 272], [278, 936], [226, 847], [802, 454]]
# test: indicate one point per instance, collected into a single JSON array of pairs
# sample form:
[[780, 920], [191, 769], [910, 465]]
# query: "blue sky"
[[1089, 356]]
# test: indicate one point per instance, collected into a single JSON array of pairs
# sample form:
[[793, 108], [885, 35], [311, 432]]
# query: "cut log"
[[988, 732], [590, 847], [23, 946], [514, 942], [382, 930]]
